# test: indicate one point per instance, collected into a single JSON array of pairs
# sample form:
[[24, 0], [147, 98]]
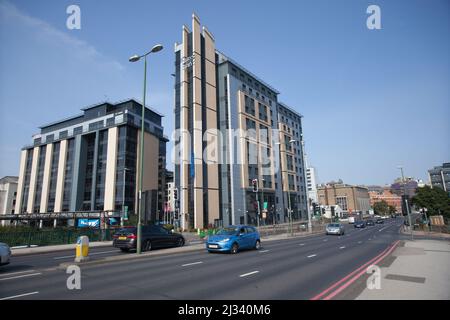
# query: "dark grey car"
[[153, 236]]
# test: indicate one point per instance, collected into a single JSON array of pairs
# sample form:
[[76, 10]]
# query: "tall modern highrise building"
[[233, 135], [90, 162], [440, 177]]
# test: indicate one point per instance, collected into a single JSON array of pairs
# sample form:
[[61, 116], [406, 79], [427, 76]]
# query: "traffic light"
[[255, 185], [175, 194]]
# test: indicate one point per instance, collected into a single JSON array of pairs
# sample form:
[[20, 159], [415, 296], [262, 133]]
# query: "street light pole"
[[136, 58], [406, 203], [307, 196]]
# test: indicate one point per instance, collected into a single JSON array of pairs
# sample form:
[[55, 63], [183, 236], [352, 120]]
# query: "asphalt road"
[[297, 268]]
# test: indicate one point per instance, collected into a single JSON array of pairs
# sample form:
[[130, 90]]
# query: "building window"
[[342, 203], [53, 177]]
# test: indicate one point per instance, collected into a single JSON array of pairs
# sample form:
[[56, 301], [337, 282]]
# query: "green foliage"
[[381, 208], [436, 200], [392, 210]]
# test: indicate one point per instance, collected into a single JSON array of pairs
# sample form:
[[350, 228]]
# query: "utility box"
[[82, 249]]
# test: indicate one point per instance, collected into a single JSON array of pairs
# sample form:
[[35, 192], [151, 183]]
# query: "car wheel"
[[124, 249], [148, 245], [180, 242], [234, 248], [258, 245]]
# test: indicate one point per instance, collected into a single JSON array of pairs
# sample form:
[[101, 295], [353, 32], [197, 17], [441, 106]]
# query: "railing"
[[40, 237]]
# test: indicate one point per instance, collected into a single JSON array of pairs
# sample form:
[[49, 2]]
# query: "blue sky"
[[371, 99]]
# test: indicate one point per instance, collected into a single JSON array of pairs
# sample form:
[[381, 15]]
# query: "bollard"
[[82, 249]]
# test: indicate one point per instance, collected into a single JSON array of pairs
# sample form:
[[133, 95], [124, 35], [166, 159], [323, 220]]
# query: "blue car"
[[234, 238]]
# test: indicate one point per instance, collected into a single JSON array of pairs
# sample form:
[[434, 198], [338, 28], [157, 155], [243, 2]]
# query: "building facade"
[[90, 162], [386, 195], [351, 199], [8, 193], [227, 121], [440, 177]]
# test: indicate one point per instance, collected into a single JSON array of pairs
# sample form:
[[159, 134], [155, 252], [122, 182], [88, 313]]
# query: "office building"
[[8, 193], [90, 162], [229, 137], [351, 199], [386, 195], [440, 177]]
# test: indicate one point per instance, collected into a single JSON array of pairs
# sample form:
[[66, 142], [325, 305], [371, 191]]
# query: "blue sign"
[[90, 223]]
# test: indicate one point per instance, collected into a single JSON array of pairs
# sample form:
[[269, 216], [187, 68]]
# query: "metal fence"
[[39, 237], [297, 228]]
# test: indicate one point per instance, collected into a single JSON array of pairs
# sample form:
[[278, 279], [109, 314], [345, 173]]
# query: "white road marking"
[[11, 273], [383, 228], [311, 256], [20, 295], [343, 247], [325, 240], [301, 244], [262, 251], [191, 264], [248, 274], [22, 276], [91, 254], [359, 242]]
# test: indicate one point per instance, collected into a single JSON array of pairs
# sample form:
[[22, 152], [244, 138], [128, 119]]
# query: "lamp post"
[[406, 202], [305, 178], [136, 58], [289, 193]]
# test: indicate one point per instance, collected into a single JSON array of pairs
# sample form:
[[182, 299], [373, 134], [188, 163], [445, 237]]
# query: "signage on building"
[[187, 62], [90, 223]]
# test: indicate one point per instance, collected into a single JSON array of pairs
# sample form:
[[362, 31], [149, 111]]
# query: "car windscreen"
[[227, 231], [334, 225], [126, 230]]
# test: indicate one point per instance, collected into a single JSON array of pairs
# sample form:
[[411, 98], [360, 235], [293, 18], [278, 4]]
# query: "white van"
[[351, 219]]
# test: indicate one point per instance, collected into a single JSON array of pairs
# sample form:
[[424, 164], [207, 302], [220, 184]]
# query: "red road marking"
[[378, 257]]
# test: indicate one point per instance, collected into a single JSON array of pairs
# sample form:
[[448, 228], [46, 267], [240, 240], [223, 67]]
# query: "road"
[[297, 268]]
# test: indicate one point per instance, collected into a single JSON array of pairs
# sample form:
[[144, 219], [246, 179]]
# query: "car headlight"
[[224, 240]]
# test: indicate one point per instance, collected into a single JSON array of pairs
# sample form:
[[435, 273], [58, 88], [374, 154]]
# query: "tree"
[[392, 210], [436, 200], [381, 208]]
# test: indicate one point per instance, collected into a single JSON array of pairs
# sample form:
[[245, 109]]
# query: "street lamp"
[[305, 178], [406, 202], [289, 193], [136, 58]]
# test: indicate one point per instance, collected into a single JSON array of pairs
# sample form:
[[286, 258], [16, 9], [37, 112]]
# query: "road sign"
[[265, 205]]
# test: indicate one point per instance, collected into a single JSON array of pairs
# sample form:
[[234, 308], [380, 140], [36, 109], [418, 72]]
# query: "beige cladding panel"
[[46, 180], [23, 162], [61, 176], [32, 189], [197, 90], [211, 102], [198, 178], [210, 47], [213, 205], [198, 208], [211, 119], [210, 73], [111, 164], [213, 176], [196, 32]]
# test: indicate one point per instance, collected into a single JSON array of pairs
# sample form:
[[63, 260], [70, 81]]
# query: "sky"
[[371, 99]]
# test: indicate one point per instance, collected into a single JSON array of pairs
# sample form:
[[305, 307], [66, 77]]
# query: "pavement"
[[419, 270], [285, 268]]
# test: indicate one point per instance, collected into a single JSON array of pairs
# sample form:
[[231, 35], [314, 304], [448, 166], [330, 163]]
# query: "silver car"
[[5, 253], [335, 228]]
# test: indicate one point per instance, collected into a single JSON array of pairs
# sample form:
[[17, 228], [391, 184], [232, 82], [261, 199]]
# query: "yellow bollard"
[[82, 249]]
